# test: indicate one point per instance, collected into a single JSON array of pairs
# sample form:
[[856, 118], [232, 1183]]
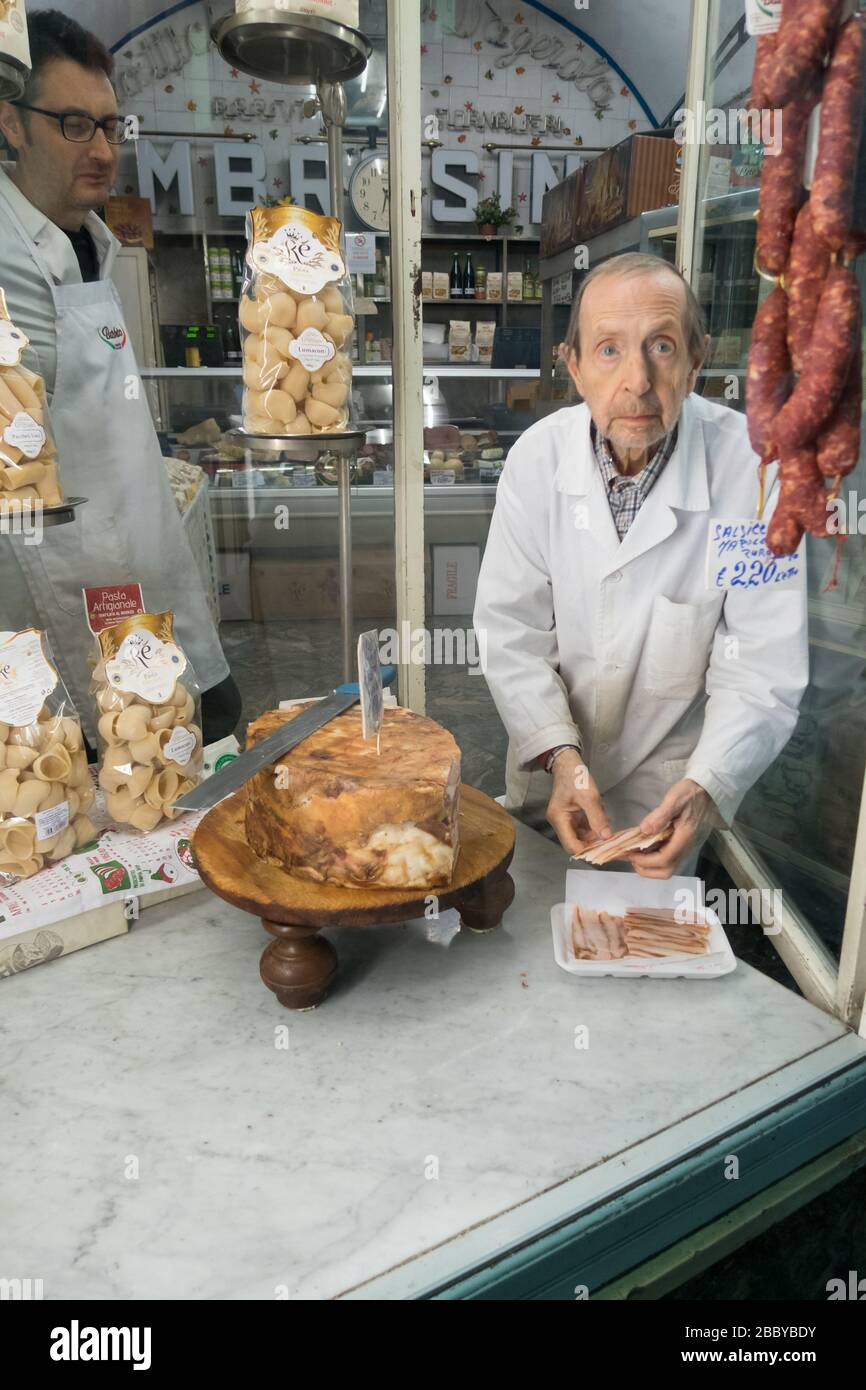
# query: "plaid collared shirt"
[[627, 495]]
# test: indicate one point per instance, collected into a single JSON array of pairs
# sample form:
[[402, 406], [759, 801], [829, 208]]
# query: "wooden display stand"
[[299, 965]]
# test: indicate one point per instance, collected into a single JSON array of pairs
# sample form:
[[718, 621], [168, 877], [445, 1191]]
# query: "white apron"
[[130, 529]]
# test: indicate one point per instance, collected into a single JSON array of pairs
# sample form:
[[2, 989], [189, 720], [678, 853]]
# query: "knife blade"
[[241, 769]]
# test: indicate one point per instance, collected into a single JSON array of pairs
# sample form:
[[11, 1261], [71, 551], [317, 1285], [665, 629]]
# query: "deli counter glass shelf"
[[472, 415]]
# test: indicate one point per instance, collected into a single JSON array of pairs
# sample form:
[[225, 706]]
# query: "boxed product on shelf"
[[494, 286], [460, 341], [426, 284], [441, 285], [515, 286], [559, 214], [485, 332], [639, 174]]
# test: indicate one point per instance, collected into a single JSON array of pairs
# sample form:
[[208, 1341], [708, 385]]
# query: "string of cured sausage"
[[804, 379]]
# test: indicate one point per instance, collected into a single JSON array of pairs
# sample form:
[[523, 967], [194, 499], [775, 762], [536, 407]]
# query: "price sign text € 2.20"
[[738, 558]]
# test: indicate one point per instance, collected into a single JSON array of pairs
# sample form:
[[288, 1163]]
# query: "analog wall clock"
[[369, 192]]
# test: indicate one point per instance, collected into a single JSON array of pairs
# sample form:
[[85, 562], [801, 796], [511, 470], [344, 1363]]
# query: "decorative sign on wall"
[[510, 95]]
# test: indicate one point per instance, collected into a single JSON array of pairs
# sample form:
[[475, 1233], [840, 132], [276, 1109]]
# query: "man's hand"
[[576, 810], [688, 808]]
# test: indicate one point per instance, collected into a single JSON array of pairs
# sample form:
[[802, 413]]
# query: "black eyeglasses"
[[81, 129]]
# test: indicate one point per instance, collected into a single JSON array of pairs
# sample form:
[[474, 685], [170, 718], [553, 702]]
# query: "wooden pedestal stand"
[[299, 965]]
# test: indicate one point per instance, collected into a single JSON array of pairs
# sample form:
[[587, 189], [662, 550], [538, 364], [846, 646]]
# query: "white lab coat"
[[619, 645], [129, 530]]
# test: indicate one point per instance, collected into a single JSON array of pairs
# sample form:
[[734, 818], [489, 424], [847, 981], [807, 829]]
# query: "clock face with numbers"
[[369, 192]]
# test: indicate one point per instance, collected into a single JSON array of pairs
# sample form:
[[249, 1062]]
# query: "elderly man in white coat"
[[632, 694]]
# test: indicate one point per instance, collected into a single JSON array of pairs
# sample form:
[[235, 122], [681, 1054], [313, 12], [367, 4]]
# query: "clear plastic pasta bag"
[[46, 791], [28, 458], [148, 712], [296, 318]]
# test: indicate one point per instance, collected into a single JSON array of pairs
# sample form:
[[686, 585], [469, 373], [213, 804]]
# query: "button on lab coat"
[[619, 645]]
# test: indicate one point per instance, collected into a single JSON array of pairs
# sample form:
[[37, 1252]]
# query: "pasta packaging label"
[[145, 663], [28, 458], [149, 720], [26, 678], [45, 786], [296, 319]]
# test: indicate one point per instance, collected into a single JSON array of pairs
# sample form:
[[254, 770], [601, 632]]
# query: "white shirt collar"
[[53, 243]]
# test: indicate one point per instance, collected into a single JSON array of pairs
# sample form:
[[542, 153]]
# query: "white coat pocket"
[[678, 646]]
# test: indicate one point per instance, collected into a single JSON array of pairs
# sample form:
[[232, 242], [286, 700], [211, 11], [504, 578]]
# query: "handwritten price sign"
[[738, 558]]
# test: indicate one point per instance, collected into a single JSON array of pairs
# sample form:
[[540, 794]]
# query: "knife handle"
[[389, 675]]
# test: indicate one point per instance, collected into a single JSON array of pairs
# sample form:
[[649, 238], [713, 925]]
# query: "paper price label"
[[52, 822], [25, 434], [312, 349], [181, 746], [383, 477], [738, 558], [442, 478]]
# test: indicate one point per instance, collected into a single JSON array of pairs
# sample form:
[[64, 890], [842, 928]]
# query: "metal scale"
[[302, 50]]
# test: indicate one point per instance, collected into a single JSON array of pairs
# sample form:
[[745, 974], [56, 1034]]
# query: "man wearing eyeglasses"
[[56, 256]]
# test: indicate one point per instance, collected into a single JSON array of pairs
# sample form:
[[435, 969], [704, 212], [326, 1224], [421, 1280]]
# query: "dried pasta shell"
[[70, 734], [24, 868], [282, 310], [65, 845], [162, 788], [258, 377], [73, 801], [45, 847], [4, 731], [2, 756], [333, 300], [29, 798], [297, 383], [333, 393], [84, 830], [80, 774], [139, 781], [20, 757], [86, 798], [146, 817], [253, 315], [301, 425], [19, 840], [322, 415], [145, 750], [120, 804], [338, 327], [106, 725], [132, 723], [311, 314], [54, 766]]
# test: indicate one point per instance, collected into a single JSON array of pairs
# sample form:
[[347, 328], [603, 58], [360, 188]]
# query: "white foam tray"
[[604, 891]]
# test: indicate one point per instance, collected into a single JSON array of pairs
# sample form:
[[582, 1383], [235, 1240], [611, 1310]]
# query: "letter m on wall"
[[177, 164]]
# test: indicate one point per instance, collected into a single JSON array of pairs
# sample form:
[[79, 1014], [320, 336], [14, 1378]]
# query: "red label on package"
[[111, 605]]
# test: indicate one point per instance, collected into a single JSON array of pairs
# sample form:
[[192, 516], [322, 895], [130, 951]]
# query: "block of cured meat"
[[335, 810]]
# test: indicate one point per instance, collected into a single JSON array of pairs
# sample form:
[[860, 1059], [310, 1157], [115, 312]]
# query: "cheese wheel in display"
[[334, 810]]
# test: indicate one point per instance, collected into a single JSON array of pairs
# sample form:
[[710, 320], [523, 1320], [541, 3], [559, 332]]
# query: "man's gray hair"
[[639, 263]]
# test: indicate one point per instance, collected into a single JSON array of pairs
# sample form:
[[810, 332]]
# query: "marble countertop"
[[159, 1141]]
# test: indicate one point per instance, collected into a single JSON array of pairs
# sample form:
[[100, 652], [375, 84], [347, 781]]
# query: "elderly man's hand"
[[688, 808], [576, 810]]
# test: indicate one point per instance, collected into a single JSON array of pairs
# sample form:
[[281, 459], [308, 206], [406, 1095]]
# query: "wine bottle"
[[456, 283], [469, 279]]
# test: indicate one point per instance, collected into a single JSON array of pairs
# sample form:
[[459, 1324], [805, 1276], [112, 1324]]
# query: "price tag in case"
[[738, 558]]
